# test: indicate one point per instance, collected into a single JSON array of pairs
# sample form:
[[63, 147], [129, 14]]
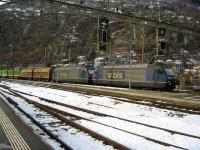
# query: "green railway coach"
[[10, 72]]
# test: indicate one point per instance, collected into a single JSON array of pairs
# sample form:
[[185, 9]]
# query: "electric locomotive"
[[157, 75]]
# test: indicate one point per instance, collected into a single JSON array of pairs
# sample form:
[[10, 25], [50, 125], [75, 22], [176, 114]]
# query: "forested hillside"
[[31, 36]]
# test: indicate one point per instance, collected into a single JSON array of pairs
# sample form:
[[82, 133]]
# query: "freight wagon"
[[27, 73], [9, 72], [44, 74]]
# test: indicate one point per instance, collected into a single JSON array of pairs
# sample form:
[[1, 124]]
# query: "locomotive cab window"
[[169, 71], [160, 71]]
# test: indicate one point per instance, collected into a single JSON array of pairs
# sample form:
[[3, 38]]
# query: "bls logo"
[[115, 75]]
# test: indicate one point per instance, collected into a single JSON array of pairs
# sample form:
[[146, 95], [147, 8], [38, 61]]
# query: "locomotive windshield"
[[169, 72]]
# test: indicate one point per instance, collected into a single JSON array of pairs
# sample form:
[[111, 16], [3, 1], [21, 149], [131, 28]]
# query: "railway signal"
[[162, 32], [160, 41], [103, 23], [11, 62], [103, 33], [162, 45], [104, 36]]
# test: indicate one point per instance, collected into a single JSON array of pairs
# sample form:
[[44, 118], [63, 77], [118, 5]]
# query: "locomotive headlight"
[[169, 83]]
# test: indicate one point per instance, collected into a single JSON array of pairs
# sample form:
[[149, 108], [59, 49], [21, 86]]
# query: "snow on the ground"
[[26, 120], [1, 3], [129, 127], [71, 136], [157, 117]]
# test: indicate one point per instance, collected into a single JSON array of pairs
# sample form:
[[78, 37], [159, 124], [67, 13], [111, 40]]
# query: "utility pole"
[[110, 51], [108, 2], [69, 57], [97, 34], [129, 85], [159, 13], [157, 42], [130, 53], [42, 5], [11, 55], [45, 56], [142, 44], [185, 40]]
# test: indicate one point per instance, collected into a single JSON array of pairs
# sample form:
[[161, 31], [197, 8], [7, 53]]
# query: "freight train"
[[155, 76]]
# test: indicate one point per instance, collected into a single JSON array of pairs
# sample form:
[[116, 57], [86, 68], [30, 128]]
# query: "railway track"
[[161, 102], [104, 114], [37, 123], [62, 118], [156, 104], [61, 114]]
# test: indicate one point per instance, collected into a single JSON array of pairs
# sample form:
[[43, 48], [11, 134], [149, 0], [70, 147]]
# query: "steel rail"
[[156, 101], [139, 102], [62, 116], [107, 115], [162, 103], [48, 132], [73, 124]]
